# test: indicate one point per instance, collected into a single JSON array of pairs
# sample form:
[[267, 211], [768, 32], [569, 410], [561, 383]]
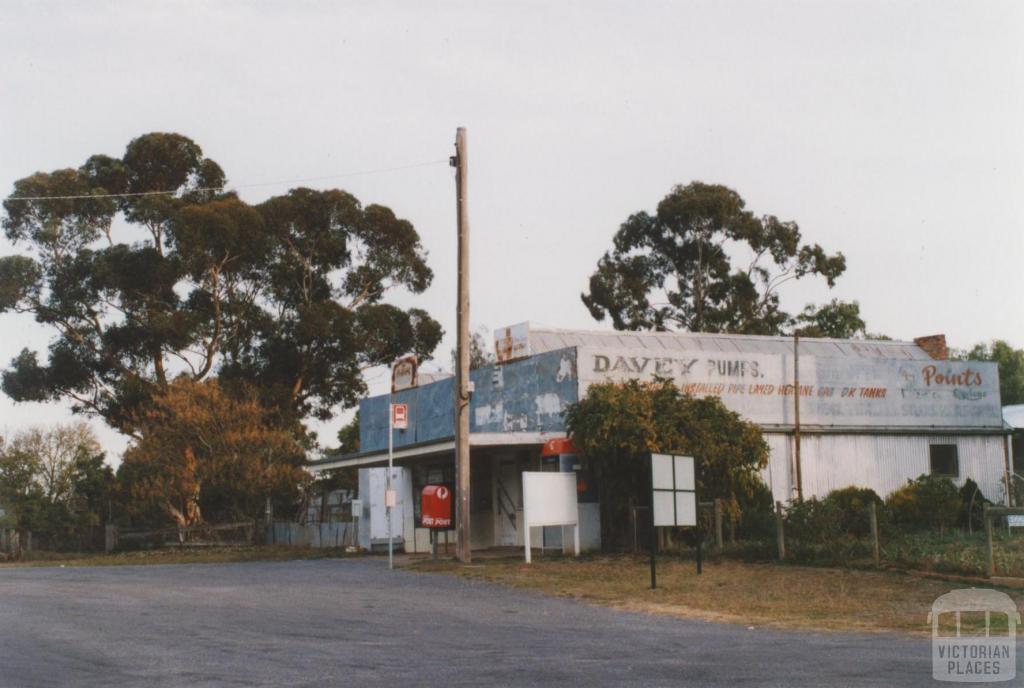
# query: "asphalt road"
[[353, 623]]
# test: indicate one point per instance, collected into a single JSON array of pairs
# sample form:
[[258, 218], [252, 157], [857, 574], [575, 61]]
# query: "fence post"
[[779, 531], [109, 538], [718, 523], [990, 563], [872, 512]]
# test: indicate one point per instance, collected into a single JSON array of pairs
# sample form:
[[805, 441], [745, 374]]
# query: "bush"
[[851, 505], [617, 425], [816, 533], [812, 520], [927, 502], [973, 506], [830, 530], [757, 514]]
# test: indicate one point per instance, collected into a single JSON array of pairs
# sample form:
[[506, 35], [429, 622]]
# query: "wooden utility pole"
[[462, 482], [875, 546], [718, 523], [780, 531], [990, 559], [796, 412]]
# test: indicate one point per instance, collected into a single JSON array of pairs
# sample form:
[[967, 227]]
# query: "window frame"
[[932, 457]]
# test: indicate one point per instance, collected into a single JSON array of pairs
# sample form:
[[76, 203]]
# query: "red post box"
[[436, 507]]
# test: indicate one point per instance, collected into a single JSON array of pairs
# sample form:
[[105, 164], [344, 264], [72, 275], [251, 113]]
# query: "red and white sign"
[[400, 416]]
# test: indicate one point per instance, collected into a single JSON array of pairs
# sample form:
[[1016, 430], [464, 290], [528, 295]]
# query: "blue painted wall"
[[522, 396]]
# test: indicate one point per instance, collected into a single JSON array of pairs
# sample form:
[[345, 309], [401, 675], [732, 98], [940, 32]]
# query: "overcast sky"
[[890, 131]]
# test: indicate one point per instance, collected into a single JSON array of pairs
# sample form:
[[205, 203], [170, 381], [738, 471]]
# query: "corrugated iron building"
[[872, 414]]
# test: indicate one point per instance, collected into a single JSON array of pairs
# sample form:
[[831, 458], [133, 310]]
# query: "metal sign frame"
[[681, 487], [407, 367], [674, 492]]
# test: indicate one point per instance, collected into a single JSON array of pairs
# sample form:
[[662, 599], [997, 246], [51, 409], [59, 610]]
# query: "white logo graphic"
[[979, 655]]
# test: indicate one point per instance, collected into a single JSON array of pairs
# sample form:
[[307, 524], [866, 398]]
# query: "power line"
[[218, 189]]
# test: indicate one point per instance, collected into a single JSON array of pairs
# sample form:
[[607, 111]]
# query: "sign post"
[[398, 418], [673, 500]]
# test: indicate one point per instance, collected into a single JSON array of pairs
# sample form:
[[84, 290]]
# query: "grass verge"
[[753, 594]]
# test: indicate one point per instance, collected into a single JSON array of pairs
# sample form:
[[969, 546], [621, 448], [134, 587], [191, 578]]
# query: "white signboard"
[[833, 391], [674, 490], [1015, 521], [403, 374], [549, 499], [512, 342]]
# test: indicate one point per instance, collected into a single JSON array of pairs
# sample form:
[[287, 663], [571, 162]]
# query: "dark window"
[[1018, 452], [944, 460]]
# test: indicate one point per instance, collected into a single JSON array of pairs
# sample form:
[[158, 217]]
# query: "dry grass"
[[734, 592], [205, 555]]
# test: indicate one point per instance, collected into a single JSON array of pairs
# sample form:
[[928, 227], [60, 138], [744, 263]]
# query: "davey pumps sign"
[[833, 391]]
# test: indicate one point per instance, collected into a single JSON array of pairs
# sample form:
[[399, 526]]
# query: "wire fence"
[[988, 544]]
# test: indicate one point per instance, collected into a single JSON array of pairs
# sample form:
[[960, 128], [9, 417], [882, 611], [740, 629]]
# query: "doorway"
[[507, 487]]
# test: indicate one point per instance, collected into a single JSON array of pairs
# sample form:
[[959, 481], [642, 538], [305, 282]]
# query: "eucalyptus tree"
[[704, 263], [146, 268]]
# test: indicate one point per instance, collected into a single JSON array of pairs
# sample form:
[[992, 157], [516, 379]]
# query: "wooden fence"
[[311, 534]]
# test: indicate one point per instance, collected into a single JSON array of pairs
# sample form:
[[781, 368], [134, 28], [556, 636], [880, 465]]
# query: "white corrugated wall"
[[881, 462]]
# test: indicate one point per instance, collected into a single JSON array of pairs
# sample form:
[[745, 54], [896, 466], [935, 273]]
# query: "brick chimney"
[[934, 345]]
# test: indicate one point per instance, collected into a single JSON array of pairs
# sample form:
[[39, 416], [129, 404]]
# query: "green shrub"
[[812, 520], [816, 533], [852, 505], [927, 502], [757, 514], [973, 506]]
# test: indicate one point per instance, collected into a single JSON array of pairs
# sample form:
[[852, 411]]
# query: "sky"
[[890, 131]]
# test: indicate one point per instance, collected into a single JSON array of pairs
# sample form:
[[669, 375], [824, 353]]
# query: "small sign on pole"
[[673, 500], [400, 416]]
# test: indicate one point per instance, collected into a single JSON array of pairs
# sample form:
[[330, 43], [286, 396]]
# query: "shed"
[[872, 414]]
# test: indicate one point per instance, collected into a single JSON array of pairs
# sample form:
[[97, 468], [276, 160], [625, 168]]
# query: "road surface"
[[353, 623]]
